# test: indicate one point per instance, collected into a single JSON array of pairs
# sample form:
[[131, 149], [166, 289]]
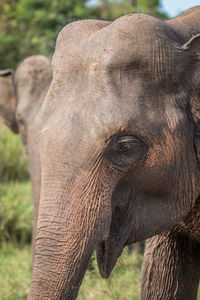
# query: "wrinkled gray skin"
[[31, 82], [119, 145], [171, 267]]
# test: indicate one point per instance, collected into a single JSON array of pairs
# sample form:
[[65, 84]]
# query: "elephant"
[[7, 100], [26, 89], [119, 149]]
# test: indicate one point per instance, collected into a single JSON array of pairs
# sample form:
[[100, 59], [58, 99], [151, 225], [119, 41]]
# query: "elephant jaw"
[[107, 254]]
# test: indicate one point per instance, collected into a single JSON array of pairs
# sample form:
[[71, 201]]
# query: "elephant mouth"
[[107, 254]]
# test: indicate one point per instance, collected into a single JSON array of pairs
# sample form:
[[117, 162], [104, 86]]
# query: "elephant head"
[[7, 100], [22, 93], [31, 81], [119, 145]]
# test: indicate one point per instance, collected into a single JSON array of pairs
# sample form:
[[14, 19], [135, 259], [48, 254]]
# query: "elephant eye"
[[124, 152], [20, 121], [124, 147], [126, 144]]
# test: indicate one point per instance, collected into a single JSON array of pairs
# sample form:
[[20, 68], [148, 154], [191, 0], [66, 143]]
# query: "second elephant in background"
[[21, 96]]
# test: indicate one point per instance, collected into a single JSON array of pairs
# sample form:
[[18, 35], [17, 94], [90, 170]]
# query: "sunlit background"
[[174, 7]]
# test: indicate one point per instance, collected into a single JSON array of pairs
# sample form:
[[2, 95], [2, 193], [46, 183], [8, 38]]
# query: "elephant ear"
[[7, 100], [193, 46]]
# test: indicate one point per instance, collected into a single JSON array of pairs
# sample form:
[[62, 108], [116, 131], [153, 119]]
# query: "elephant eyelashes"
[[124, 151]]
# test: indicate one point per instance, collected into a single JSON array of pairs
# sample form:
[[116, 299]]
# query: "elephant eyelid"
[[127, 139]]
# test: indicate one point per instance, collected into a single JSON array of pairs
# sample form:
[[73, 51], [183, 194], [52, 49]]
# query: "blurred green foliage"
[[15, 272], [13, 160], [30, 27], [16, 213], [110, 9]]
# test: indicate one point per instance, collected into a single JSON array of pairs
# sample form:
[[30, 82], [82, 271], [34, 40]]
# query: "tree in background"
[[152, 7], [109, 9], [30, 27]]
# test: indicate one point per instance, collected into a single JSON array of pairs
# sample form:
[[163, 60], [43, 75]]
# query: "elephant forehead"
[[130, 42], [32, 69], [98, 117], [102, 105], [92, 120]]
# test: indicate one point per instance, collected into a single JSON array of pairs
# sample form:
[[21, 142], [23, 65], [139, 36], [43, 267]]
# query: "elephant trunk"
[[72, 220]]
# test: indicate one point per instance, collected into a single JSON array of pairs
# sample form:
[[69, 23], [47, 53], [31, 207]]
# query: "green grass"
[[15, 277], [124, 282], [16, 212], [13, 160], [15, 272]]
